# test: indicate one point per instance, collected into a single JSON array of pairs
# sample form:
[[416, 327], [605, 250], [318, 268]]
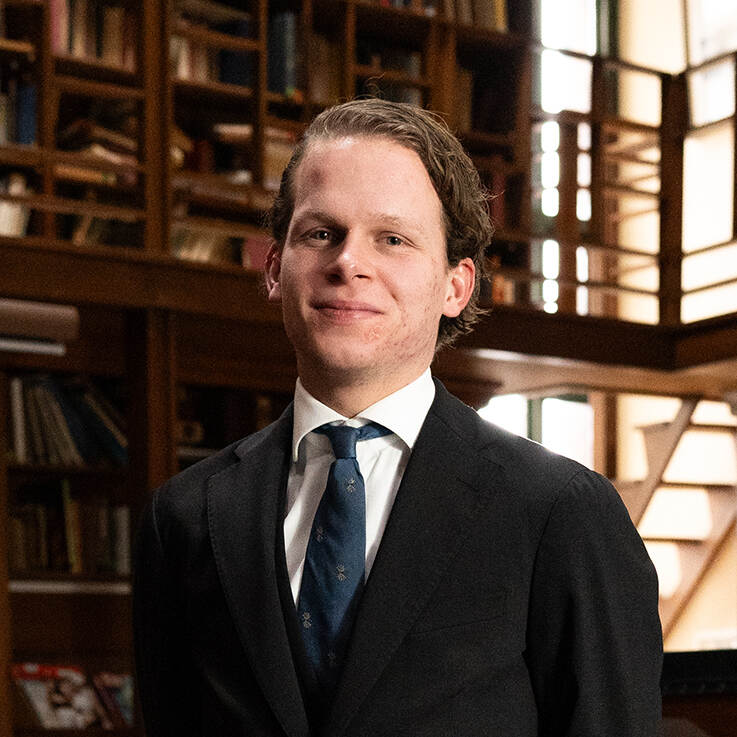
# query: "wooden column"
[[349, 51], [674, 120], [6, 639], [152, 401], [152, 64], [567, 223]]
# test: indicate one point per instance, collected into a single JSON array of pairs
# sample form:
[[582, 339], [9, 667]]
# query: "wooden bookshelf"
[[186, 134]]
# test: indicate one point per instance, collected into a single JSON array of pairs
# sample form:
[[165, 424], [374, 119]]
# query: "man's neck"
[[351, 398]]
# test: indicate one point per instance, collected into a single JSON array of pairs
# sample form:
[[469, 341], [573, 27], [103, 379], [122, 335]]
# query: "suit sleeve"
[[166, 680], [594, 636]]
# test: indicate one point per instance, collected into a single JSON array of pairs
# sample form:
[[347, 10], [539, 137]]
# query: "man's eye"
[[320, 235], [394, 240]]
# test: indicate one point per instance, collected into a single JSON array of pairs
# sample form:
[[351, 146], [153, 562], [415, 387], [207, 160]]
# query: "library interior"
[[141, 145]]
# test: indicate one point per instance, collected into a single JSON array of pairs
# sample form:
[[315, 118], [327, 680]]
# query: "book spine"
[[59, 16], [121, 540], [72, 526], [113, 18], [26, 113], [18, 419]]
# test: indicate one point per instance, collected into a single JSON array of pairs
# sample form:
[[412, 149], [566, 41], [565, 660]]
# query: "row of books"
[[425, 7], [53, 530], [379, 58], [67, 422], [211, 246], [195, 60], [87, 29], [229, 149], [18, 109], [199, 62], [202, 62], [14, 216], [481, 105], [65, 696], [487, 14]]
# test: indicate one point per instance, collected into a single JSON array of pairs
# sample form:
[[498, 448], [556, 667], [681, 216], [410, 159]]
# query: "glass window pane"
[[566, 82], [550, 259], [550, 202], [508, 411], [712, 26], [583, 205], [583, 170], [708, 174], [569, 24], [715, 265], [550, 169], [711, 92], [577, 441], [633, 95]]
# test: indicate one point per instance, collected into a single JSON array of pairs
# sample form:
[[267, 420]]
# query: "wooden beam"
[[6, 638]]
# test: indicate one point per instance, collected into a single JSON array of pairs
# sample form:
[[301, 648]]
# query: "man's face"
[[363, 276]]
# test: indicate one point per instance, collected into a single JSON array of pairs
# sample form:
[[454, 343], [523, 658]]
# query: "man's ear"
[[272, 273], [461, 280]]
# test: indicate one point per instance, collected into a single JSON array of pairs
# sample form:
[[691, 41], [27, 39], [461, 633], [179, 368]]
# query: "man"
[[442, 577]]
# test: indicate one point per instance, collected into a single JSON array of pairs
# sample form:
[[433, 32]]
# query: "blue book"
[[237, 67], [26, 112], [282, 53]]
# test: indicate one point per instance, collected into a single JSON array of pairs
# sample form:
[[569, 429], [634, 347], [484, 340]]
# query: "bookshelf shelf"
[[204, 92], [71, 585], [93, 70], [97, 90], [11, 48], [390, 75], [216, 39], [21, 155]]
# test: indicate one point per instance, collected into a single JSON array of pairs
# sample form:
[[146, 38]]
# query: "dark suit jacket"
[[510, 596]]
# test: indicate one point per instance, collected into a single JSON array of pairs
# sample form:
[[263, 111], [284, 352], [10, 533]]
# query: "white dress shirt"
[[382, 462]]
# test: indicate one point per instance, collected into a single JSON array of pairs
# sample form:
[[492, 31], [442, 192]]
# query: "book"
[[483, 14], [83, 131], [26, 115], [14, 216], [120, 538], [501, 18], [237, 67], [116, 693], [18, 420], [60, 696], [72, 528], [464, 85], [464, 12], [326, 67], [59, 16], [112, 30], [282, 54], [81, 38]]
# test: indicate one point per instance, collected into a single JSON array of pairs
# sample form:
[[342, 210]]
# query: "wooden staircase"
[[695, 553]]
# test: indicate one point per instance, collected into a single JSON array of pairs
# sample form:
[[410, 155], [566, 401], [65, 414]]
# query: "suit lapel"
[[435, 502], [244, 514]]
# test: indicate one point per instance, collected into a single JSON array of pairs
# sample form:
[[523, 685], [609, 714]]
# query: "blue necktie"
[[333, 576]]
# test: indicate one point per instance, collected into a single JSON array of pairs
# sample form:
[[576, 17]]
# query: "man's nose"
[[351, 258]]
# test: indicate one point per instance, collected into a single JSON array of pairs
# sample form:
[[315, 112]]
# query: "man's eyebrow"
[[385, 219], [318, 215]]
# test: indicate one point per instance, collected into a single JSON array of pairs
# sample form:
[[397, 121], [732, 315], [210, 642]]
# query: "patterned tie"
[[333, 577]]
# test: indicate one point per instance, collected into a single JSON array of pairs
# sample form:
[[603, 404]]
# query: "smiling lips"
[[344, 310]]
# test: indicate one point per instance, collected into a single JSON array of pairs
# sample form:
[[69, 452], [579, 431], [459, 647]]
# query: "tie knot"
[[344, 438]]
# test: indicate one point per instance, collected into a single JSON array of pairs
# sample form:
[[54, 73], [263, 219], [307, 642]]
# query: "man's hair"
[[468, 228]]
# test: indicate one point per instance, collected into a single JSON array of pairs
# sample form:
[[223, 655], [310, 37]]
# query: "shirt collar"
[[402, 412]]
